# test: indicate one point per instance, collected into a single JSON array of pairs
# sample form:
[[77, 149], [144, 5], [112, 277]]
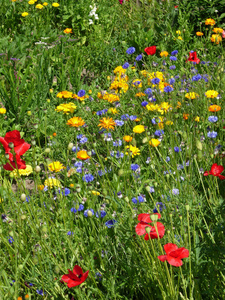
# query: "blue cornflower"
[[78, 164], [151, 190], [159, 206], [102, 214], [174, 52], [148, 91], [98, 276], [196, 77], [89, 212], [119, 154], [83, 140], [139, 57], [168, 89], [99, 113], [212, 134], [213, 119], [155, 80], [134, 167], [79, 170], [177, 77], [126, 65], [40, 292], [177, 149], [27, 198], [141, 198], [154, 121], [70, 233], [175, 192], [180, 167], [10, 239], [117, 143], [125, 117], [159, 132], [174, 58], [134, 200], [130, 50], [88, 178], [81, 93], [66, 191], [167, 159], [73, 210], [75, 149], [144, 103], [79, 136], [133, 118], [80, 208], [119, 122], [172, 67], [172, 81], [110, 223]]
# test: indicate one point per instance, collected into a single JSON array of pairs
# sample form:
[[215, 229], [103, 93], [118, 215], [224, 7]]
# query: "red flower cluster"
[[193, 57], [75, 278], [174, 255], [13, 141], [150, 50], [155, 231], [216, 170]]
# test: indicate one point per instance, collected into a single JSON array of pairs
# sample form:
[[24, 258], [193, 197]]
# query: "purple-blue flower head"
[[81, 93], [88, 178], [148, 91], [110, 223], [126, 65], [139, 57], [155, 80], [89, 212], [174, 52], [130, 50], [172, 67], [212, 134], [168, 89], [173, 58], [213, 119]]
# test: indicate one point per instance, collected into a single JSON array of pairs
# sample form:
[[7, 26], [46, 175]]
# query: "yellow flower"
[[110, 97], [45, 3], [197, 119], [55, 166], [152, 107], [39, 6], [211, 94], [95, 193], [52, 182], [24, 14], [65, 94], [178, 104], [139, 129], [107, 123], [191, 95], [31, 2], [2, 111], [140, 94], [1, 200], [218, 30], [66, 108], [41, 187], [23, 172], [137, 83], [82, 154], [71, 185], [216, 38], [75, 122], [75, 96], [90, 92], [178, 32], [185, 116], [164, 54], [199, 33], [134, 150], [164, 107], [55, 4], [68, 30], [51, 90], [119, 70], [210, 22], [154, 142], [214, 108], [112, 110], [180, 38], [127, 138], [169, 123]]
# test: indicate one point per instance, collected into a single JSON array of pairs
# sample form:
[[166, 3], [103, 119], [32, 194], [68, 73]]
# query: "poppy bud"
[[154, 217], [23, 197], [11, 145], [144, 140], [121, 172], [127, 199], [33, 142], [47, 150], [70, 146], [35, 260], [148, 189], [198, 145], [23, 217], [57, 269], [187, 207], [89, 213], [89, 153], [11, 233], [37, 169], [20, 267], [148, 229], [7, 156]]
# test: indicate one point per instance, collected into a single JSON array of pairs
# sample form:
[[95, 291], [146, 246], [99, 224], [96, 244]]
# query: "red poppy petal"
[[77, 270], [176, 262], [21, 149], [65, 278], [160, 231], [170, 247], [12, 166], [146, 237], [216, 169], [14, 137], [140, 228], [4, 144], [221, 177], [73, 283], [182, 253], [206, 173], [146, 217], [162, 257]]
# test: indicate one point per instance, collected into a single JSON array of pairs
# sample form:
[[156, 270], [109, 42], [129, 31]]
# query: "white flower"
[[90, 22]]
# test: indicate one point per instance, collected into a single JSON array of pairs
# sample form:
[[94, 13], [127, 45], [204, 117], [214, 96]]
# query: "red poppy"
[[156, 227], [75, 278], [216, 170], [19, 146], [174, 255], [150, 50], [176, 6], [193, 57]]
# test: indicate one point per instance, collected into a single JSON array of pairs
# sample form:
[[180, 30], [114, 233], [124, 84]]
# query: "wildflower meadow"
[[112, 150]]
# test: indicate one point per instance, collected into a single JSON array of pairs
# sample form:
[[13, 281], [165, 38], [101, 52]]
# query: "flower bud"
[[154, 218], [47, 150], [7, 156], [187, 207], [20, 267], [57, 270], [44, 229], [127, 199], [33, 142], [148, 229], [70, 146], [11, 145], [23, 197], [89, 213], [23, 217], [37, 169]]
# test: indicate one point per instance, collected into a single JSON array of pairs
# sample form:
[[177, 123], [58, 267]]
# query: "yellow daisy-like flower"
[[199, 33], [45, 3], [55, 166], [127, 138], [218, 30], [191, 95], [144, 73], [55, 4], [75, 122], [82, 154], [119, 70], [41, 187], [197, 119], [31, 2], [134, 150], [75, 96], [67, 30], [23, 172], [137, 83], [95, 193], [111, 98], [210, 22], [211, 94], [119, 86], [107, 123], [154, 142], [66, 108], [164, 107], [180, 38], [65, 94], [52, 182], [24, 14], [140, 94], [214, 108], [169, 122], [39, 6], [178, 104], [152, 107], [164, 54], [2, 111], [139, 129], [178, 32], [216, 38], [112, 110]]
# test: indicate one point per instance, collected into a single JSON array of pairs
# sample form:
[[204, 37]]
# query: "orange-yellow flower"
[[107, 123], [154, 142], [68, 30], [214, 108], [199, 33], [82, 154], [211, 94], [139, 129], [216, 38], [210, 22], [127, 138], [75, 122], [164, 53], [133, 150], [55, 166], [218, 30], [185, 116], [65, 94]]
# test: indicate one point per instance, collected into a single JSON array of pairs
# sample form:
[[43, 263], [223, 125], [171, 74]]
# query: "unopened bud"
[[154, 218], [57, 269], [89, 213], [44, 229], [187, 207], [33, 142], [11, 145], [148, 229], [70, 146], [47, 150], [23, 217], [127, 199], [23, 197], [37, 169], [7, 156]]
